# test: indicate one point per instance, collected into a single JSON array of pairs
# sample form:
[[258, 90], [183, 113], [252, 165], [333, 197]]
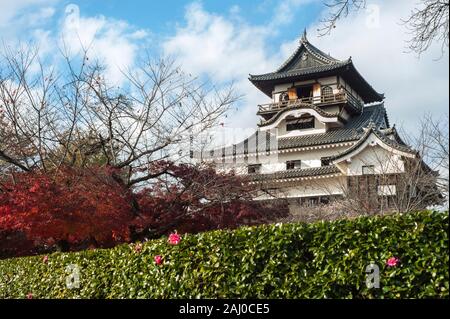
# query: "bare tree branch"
[[427, 23], [76, 117], [339, 9]]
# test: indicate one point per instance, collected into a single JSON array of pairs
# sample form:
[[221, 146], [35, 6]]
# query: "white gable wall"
[[384, 161]]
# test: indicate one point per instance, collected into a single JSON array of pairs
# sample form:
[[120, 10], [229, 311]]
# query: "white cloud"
[[104, 39], [225, 49], [215, 45], [24, 22], [37, 17], [112, 42], [12, 8], [285, 12]]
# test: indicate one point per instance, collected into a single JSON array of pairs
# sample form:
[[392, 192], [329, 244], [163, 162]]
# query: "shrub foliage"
[[321, 260]]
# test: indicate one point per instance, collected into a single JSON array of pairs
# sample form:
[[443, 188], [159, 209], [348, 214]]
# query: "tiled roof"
[[317, 64], [305, 45], [300, 72], [295, 173], [352, 131], [372, 129]]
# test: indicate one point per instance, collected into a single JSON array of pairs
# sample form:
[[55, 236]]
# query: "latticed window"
[[327, 91], [327, 94], [300, 124]]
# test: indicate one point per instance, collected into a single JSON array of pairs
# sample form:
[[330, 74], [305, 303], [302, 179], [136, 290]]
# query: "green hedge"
[[321, 260]]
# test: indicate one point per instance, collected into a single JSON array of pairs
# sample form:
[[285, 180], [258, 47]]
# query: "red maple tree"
[[80, 208]]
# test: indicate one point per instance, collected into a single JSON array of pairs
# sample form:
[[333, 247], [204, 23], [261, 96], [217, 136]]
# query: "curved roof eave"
[[265, 82], [371, 130]]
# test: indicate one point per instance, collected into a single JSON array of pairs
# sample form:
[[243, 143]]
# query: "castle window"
[[284, 97], [305, 92], [368, 169], [324, 161], [293, 164], [300, 124], [327, 91], [254, 169]]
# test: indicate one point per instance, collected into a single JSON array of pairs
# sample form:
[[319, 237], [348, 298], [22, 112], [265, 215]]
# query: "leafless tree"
[[427, 23], [70, 114], [338, 9], [432, 144]]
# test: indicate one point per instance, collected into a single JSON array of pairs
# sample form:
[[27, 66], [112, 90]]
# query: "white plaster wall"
[[384, 161], [311, 154], [331, 80], [311, 188], [277, 161]]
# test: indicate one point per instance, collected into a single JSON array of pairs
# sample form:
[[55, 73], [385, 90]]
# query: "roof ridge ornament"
[[304, 38]]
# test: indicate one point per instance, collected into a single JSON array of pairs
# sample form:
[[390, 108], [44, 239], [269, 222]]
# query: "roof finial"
[[304, 39]]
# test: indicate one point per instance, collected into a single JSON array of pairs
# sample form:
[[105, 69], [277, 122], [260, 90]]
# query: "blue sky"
[[162, 16], [226, 40]]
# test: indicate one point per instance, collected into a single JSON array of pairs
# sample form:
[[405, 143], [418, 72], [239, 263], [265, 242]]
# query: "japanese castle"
[[323, 134]]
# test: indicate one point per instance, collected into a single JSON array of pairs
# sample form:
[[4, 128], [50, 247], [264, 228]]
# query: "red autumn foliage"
[[75, 207], [199, 199], [80, 208]]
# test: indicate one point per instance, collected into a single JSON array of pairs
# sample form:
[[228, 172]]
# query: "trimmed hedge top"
[[321, 260]]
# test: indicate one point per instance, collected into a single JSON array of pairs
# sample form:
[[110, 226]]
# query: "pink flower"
[[174, 239], [45, 259], [158, 259], [138, 248], [29, 295], [392, 262]]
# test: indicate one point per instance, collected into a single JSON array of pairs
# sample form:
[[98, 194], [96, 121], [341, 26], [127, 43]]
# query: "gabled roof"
[[309, 62], [372, 129], [319, 58]]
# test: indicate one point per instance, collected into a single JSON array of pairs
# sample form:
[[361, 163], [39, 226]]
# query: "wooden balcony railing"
[[344, 96]]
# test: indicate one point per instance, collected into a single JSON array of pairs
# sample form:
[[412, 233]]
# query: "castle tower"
[[330, 130]]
